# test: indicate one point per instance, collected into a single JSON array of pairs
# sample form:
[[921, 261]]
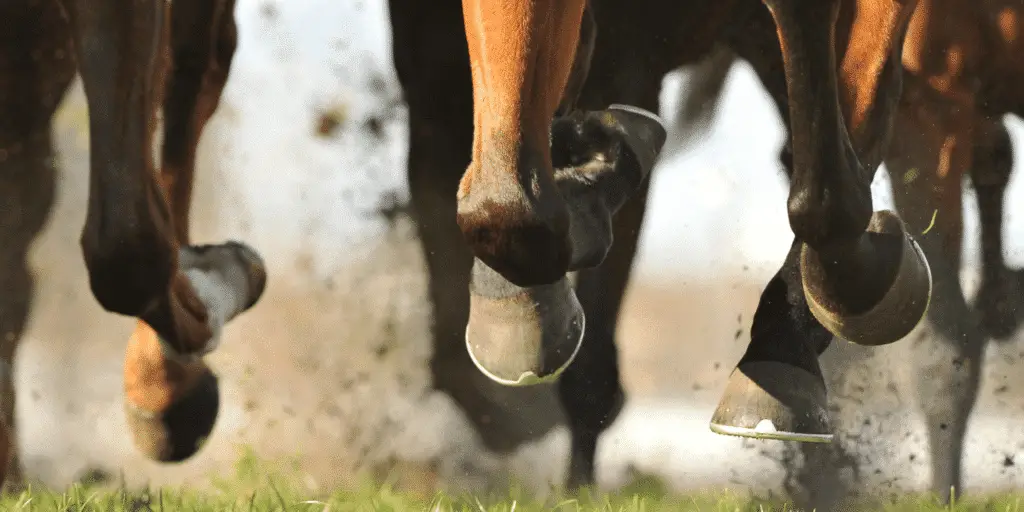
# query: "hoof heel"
[[771, 400], [902, 307], [522, 336]]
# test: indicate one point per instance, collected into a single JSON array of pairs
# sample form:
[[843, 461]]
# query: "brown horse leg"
[[865, 278], [527, 224], [35, 70], [432, 65], [202, 43], [777, 390], [137, 265], [927, 162], [1000, 300]]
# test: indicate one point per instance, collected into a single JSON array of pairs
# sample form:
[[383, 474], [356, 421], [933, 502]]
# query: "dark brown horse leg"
[[35, 70], [591, 388], [1000, 299], [849, 279], [137, 265], [865, 277], [433, 68], [202, 44]]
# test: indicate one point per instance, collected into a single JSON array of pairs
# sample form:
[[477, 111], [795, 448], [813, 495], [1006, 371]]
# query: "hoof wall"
[[178, 432], [524, 336], [770, 400], [902, 307]]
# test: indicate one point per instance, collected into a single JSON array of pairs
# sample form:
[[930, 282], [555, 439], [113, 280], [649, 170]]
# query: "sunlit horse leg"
[[862, 275], [36, 67], [528, 218], [137, 263], [927, 162], [432, 65]]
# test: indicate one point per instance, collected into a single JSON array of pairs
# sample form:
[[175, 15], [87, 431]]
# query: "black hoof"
[[772, 400], [899, 310], [522, 336], [178, 432], [1000, 305]]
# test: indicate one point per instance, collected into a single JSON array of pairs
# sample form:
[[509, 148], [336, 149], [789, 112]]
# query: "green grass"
[[275, 497], [259, 486]]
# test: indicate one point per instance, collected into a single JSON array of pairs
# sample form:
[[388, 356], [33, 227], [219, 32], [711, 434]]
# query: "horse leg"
[[137, 264], [526, 224], [591, 389], [927, 162], [869, 286], [202, 43], [999, 302], [865, 278], [433, 68], [35, 70]]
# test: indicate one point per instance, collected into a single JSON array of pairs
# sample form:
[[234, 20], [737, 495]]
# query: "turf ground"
[[263, 486]]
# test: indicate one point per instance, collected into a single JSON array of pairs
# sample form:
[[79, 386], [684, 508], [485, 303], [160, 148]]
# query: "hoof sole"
[[771, 400], [902, 307]]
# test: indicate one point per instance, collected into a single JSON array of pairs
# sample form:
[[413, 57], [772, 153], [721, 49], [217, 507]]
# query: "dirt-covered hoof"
[[772, 400], [899, 310], [179, 431], [522, 336]]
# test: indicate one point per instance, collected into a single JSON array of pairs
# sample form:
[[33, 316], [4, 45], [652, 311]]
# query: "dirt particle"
[[375, 126], [328, 122], [1008, 461], [269, 11], [1001, 389], [739, 332]]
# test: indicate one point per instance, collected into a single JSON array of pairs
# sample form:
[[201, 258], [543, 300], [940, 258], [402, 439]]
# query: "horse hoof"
[[237, 267], [179, 431], [901, 308], [999, 304], [522, 336], [772, 400], [644, 133]]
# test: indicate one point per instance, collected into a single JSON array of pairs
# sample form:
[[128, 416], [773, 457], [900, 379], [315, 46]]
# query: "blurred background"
[[331, 366]]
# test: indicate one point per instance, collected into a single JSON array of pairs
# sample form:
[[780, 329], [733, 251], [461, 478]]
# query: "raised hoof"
[[772, 400], [902, 307], [228, 278], [1000, 305], [522, 336], [237, 264], [644, 132], [179, 431]]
